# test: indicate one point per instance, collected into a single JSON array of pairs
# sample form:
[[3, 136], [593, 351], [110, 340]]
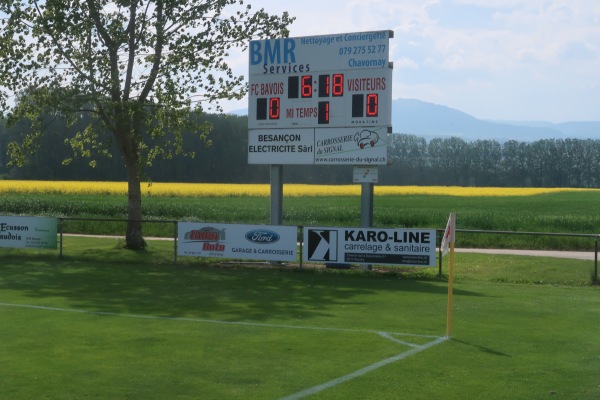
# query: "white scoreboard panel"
[[342, 80]]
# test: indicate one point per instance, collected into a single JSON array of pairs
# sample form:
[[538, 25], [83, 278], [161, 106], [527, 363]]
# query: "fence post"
[[175, 242], [60, 229], [596, 263], [301, 243], [439, 252]]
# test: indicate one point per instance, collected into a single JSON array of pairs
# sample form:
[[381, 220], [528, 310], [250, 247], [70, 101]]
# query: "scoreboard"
[[322, 99], [340, 81]]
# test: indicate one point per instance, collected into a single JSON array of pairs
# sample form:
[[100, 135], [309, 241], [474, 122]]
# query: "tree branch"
[[160, 25], [132, 47]]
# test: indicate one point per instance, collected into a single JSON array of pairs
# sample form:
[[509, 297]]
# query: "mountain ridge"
[[430, 120]]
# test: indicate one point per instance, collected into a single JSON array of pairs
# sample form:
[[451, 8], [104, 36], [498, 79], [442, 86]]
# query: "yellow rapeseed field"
[[233, 190]]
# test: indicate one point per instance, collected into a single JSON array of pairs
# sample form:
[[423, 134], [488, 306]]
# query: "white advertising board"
[[409, 247], [338, 80], [300, 55], [281, 146], [351, 146], [28, 232], [335, 146], [254, 242]]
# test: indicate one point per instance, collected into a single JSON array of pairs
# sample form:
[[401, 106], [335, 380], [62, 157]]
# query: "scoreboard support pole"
[[366, 210], [366, 205], [276, 194]]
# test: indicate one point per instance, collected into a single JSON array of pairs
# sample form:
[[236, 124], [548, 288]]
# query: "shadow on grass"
[[482, 348], [146, 285]]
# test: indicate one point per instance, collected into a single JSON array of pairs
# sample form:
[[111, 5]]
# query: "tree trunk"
[[133, 236], [128, 147]]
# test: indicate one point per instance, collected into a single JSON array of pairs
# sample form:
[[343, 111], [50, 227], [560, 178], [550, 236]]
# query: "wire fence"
[[594, 237]]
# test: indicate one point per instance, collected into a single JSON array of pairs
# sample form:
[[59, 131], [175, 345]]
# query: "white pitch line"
[[304, 393], [393, 339], [212, 321], [363, 371]]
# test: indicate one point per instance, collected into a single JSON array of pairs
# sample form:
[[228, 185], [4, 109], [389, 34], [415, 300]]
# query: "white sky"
[[494, 59]]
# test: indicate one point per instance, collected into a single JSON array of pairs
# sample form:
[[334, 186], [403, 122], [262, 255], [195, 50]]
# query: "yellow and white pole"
[[452, 225]]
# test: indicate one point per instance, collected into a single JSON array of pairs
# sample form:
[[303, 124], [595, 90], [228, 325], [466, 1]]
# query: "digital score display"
[[362, 104], [336, 99], [321, 81]]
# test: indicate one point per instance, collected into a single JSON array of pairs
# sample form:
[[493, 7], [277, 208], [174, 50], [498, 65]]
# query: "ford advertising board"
[[253, 242]]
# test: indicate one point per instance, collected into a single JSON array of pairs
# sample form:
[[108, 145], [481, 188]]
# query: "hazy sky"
[[494, 59]]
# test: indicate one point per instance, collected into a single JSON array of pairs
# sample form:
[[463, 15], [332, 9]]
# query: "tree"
[[486, 157], [139, 67]]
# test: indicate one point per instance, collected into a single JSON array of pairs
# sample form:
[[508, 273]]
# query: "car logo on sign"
[[262, 236]]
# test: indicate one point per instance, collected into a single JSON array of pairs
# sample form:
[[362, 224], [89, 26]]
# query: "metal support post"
[[366, 210], [596, 264], [366, 205], [276, 194], [175, 235], [60, 227]]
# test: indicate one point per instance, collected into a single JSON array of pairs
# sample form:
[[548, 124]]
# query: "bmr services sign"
[[308, 86], [413, 247]]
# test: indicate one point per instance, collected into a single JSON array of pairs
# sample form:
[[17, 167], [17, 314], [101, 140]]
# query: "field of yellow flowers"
[[257, 190], [494, 209]]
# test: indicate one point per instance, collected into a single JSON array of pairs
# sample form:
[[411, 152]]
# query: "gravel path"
[[578, 255]]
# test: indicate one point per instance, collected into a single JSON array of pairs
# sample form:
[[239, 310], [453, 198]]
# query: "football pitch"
[[86, 328], [253, 335]]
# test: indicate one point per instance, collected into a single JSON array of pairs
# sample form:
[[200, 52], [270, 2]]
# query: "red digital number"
[[324, 85], [274, 107], [338, 84], [306, 86], [323, 116], [372, 104]]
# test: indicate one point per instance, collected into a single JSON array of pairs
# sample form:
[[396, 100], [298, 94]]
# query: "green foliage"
[[197, 156], [139, 69], [453, 161]]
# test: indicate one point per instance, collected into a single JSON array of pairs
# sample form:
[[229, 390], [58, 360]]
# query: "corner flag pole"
[[449, 235]]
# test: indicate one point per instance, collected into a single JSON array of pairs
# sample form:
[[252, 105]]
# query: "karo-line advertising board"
[[410, 247], [336, 146], [254, 242], [28, 232]]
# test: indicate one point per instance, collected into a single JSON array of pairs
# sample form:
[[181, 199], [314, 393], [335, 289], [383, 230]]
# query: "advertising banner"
[[410, 247], [351, 146], [300, 55], [253, 242], [281, 146], [333, 146], [28, 232]]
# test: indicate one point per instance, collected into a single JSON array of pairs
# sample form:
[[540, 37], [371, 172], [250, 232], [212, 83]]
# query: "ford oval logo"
[[262, 236]]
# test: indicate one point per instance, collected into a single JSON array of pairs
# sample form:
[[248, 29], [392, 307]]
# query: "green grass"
[[133, 325], [572, 212]]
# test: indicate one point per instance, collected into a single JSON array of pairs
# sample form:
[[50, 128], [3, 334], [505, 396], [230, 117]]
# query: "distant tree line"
[[453, 161], [415, 161]]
